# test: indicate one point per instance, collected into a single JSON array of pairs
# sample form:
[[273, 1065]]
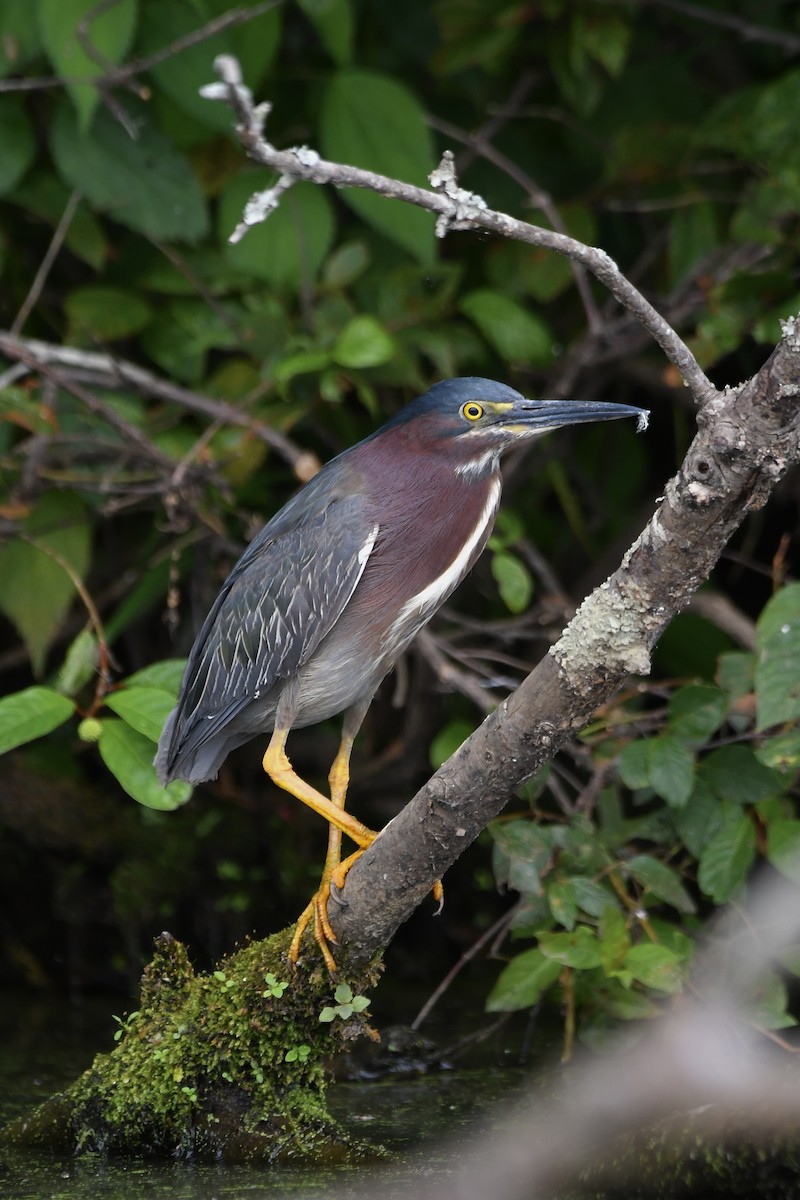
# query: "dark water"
[[46, 1042]]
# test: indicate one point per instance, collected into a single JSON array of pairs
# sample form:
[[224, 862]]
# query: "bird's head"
[[477, 419]]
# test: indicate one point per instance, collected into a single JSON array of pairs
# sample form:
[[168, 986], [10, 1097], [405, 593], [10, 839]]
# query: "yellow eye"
[[472, 411]]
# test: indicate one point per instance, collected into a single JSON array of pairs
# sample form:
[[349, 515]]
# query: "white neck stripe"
[[437, 592]]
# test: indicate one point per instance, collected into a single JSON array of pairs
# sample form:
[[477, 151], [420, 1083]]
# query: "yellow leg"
[[279, 769], [277, 766]]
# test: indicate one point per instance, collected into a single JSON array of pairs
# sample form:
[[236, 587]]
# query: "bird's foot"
[[317, 911]]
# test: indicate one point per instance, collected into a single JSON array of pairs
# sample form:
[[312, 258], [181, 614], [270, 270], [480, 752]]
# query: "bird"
[[334, 587]]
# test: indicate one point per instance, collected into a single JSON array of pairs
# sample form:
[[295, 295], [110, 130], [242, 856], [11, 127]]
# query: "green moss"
[[202, 1067]]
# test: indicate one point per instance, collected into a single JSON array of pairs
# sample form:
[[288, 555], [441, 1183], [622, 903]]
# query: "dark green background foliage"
[[671, 142]]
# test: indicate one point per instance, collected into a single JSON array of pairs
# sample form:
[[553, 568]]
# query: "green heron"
[[330, 593]]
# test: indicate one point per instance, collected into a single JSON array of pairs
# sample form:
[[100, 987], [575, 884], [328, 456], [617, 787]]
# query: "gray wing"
[[284, 595]]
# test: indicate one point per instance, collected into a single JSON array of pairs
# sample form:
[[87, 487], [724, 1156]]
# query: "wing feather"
[[284, 595]]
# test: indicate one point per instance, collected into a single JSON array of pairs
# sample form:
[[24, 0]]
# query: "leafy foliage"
[[610, 898], [135, 464]]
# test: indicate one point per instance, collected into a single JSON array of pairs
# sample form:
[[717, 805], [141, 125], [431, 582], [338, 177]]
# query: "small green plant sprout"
[[190, 1094], [125, 1025], [275, 987], [222, 978], [346, 1004], [298, 1054]]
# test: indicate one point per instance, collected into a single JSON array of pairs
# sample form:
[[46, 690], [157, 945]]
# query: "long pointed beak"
[[542, 415]]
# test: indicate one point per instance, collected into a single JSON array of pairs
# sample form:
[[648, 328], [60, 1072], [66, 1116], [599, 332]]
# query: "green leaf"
[[771, 125], [288, 248], [181, 75], [448, 739], [767, 1005], [633, 765], [781, 752], [698, 822], [18, 140], [129, 757], [661, 880], [335, 24], [80, 664], [777, 676], [346, 264], [31, 714], [165, 675], [591, 897], [656, 967], [614, 939], [522, 850], [734, 773], [626, 1004], [363, 342], [108, 30], [143, 184], [670, 769], [696, 712], [518, 336], [35, 590], [693, 235], [19, 37], [369, 120], [736, 674], [305, 362], [783, 847], [579, 949], [105, 313], [562, 903], [513, 580], [726, 860], [606, 36], [144, 708], [523, 981]]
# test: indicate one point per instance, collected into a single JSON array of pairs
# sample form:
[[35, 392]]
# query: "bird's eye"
[[472, 411]]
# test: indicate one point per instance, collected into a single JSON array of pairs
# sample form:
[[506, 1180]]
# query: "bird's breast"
[[429, 535], [420, 557]]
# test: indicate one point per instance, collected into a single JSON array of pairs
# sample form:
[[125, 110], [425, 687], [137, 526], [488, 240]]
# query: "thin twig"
[[51, 254], [494, 931], [122, 75], [789, 42], [537, 196], [456, 209], [37, 354]]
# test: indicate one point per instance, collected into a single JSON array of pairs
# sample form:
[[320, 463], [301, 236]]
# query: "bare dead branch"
[[104, 368], [455, 209]]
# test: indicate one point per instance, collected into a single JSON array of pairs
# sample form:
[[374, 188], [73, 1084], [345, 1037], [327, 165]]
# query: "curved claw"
[[317, 911]]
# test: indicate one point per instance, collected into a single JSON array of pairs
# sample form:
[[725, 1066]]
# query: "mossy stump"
[[226, 1064]]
